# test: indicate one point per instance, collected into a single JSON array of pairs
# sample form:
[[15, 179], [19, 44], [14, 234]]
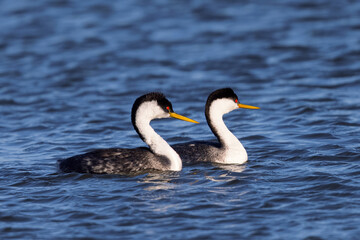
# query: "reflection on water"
[[227, 176], [159, 181], [232, 167]]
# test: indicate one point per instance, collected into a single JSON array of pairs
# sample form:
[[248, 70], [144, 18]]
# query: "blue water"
[[70, 71]]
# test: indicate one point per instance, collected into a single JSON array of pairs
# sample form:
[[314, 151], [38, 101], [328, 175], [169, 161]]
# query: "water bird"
[[160, 156], [228, 149]]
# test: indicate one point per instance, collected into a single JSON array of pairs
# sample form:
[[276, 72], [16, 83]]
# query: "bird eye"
[[236, 100], [168, 108]]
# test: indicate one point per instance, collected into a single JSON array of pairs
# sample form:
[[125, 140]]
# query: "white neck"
[[235, 151], [146, 112]]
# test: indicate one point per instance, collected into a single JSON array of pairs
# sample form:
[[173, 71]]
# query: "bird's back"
[[195, 152], [115, 161]]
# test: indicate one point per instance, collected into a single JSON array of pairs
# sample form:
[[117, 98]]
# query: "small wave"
[[317, 136]]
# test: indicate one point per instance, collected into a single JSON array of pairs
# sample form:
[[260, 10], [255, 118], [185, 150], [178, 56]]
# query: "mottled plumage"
[[196, 152], [115, 161]]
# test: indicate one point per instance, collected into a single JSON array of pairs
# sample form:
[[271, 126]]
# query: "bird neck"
[[235, 151], [157, 144], [222, 133]]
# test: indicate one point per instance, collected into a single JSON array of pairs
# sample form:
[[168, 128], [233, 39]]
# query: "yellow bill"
[[247, 106], [178, 116]]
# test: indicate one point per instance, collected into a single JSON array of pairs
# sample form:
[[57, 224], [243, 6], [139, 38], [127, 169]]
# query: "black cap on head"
[[221, 93], [153, 96]]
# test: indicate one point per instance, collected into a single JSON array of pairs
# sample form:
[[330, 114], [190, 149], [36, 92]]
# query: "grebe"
[[229, 149], [160, 156]]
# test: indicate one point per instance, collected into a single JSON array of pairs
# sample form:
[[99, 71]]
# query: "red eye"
[[168, 108], [236, 100]]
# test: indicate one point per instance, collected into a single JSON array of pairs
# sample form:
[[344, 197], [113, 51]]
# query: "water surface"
[[70, 71]]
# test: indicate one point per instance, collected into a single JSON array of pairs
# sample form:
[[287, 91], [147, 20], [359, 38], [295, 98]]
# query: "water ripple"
[[70, 71]]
